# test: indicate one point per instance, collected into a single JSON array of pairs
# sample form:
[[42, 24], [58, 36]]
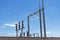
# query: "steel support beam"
[[44, 19], [17, 31], [28, 33], [40, 20]]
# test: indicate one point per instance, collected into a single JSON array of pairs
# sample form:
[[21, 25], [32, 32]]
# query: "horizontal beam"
[[34, 13]]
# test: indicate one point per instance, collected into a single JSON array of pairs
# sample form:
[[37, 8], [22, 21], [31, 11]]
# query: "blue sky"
[[13, 11]]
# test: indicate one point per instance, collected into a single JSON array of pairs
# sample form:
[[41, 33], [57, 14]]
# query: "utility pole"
[[40, 19], [44, 19]]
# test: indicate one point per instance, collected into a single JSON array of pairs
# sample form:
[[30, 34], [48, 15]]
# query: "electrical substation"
[[27, 35]]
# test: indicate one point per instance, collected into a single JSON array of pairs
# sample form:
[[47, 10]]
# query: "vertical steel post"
[[28, 33], [24, 34], [34, 35], [22, 29], [40, 20], [16, 32], [21, 32], [43, 19], [28, 28], [19, 25]]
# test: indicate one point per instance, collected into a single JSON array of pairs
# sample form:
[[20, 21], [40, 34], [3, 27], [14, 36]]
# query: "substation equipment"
[[41, 13], [41, 19]]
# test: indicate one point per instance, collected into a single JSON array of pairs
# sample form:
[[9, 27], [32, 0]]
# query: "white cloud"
[[12, 34], [12, 25], [48, 32]]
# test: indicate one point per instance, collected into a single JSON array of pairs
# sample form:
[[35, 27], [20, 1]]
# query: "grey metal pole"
[[28, 33], [21, 32], [16, 32], [22, 27], [40, 18], [17, 35], [34, 35], [24, 34], [19, 25], [28, 28], [43, 19]]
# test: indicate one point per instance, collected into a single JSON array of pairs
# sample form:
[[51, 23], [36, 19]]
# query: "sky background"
[[13, 11]]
